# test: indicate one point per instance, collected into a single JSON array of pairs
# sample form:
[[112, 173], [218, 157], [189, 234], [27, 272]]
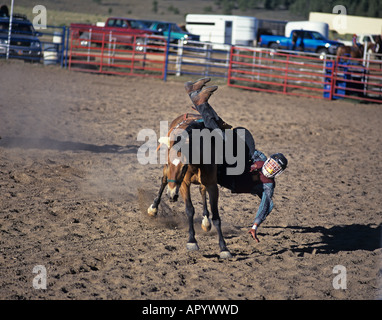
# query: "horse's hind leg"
[[153, 209], [206, 223], [213, 193]]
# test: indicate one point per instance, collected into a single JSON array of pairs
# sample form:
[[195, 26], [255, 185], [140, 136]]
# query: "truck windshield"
[[136, 24], [317, 36], [19, 28]]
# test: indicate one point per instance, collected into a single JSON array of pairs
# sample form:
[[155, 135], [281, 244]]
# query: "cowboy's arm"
[[265, 207]]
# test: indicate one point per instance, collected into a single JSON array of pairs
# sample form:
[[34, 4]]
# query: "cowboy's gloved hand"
[[253, 233], [255, 167]]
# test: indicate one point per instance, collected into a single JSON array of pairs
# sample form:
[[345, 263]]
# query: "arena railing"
[[207, 59], [302, 74], [260, 69], [117, 53]]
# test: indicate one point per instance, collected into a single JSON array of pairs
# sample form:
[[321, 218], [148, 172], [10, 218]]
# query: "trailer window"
[[202, 23]]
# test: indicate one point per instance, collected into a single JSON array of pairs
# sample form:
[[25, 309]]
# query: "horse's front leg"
[[206, 223], [213, 193], [153, 209], [192, 244]]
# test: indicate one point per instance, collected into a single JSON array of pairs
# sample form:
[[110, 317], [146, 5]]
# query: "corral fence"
[[53, 45], [198, 58], [251, 68], [117, 53], [316, 76]]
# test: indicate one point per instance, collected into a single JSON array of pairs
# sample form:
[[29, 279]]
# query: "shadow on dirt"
[[339, 238], [52, 144]]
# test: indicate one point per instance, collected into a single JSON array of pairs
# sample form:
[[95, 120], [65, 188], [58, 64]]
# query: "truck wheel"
[[273, 46], [322, 51]]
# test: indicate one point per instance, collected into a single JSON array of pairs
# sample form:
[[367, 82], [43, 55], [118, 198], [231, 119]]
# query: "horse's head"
[[175, 174]]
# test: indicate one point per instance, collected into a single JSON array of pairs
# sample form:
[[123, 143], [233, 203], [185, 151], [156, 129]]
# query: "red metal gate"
[[117, 53], [324, 77]]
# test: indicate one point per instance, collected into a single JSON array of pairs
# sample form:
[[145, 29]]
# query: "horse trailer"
[[223, 29], [321, 27]]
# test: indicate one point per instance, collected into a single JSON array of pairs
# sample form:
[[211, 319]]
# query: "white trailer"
[[320, 27], [223, 29]]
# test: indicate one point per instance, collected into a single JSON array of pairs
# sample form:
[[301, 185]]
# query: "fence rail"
[[198, 58], [316, 76], [117, 53], [252, 68]]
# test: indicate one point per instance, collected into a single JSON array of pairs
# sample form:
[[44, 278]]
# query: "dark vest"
[[245, 182]]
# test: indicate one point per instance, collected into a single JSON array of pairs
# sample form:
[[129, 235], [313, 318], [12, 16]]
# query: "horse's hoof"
[[206, 224], [152, 211], [191, 246], [225, 255]]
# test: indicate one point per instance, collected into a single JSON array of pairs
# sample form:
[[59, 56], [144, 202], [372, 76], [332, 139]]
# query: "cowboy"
[[259, 176]]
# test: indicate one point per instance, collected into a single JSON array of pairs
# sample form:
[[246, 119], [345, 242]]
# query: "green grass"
[[63, 18]]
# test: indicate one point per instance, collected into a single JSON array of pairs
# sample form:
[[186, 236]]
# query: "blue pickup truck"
[[302, 40]]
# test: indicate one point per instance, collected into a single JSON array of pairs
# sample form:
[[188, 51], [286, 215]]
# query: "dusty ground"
[[73, 196]]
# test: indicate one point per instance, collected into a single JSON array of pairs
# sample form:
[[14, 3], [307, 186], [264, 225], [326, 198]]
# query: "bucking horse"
[[178, 175], [181, 170]]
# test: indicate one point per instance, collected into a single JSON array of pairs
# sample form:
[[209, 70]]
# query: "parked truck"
[[320, 27], [302, 40], [122, 30], [163, 28]]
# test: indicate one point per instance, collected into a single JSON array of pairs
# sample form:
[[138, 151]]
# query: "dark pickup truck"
[[121, 30], [25, 43], [308, 41]]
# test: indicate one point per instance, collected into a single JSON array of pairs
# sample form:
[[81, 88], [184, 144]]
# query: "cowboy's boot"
[[200, 101], [195, 86], [201, 97]]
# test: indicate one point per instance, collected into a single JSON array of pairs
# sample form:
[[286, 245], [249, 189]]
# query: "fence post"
[[89, 43], [179, 58], [67, 46], [286, 75], [167, 53], [230, 66], [366, 62], [62, 46], [332, 81], [71, 48], [102, 50], [207, 59]]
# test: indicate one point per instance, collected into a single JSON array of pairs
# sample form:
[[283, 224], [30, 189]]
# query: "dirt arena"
[[73, 197]]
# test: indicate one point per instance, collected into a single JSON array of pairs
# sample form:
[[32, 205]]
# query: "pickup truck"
[[176, 34], [308, 41], [122, 30], [25, 43]]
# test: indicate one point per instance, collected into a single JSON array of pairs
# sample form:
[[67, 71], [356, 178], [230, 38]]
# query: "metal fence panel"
[[198, 58], [117, 53], [302, 74]]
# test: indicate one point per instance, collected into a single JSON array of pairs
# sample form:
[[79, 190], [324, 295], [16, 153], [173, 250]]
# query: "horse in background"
[[376, 48], [355, 52]]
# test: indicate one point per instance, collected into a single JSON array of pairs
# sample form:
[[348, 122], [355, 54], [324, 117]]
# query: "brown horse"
[[376, 48], [179, 175], [350, 51]]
